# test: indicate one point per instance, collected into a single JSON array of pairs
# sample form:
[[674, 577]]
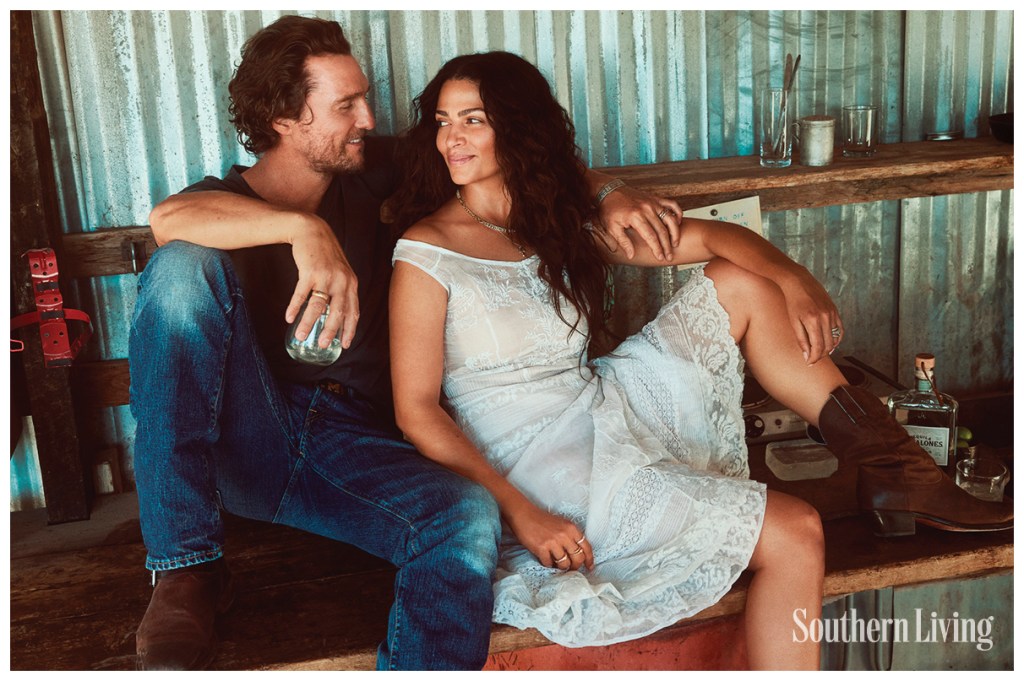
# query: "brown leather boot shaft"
[[855, 424], [898, 483]]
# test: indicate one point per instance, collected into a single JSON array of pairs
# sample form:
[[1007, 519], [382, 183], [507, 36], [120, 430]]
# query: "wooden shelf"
[[897, 171]]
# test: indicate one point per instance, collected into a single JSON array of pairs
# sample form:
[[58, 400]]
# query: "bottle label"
[[935, 441]]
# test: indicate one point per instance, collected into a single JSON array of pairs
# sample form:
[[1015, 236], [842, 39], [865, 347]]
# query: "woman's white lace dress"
[[642, 449]]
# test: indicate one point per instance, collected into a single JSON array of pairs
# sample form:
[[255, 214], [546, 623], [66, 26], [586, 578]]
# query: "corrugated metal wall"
[[137, 109], [956, 255], [981, 605]]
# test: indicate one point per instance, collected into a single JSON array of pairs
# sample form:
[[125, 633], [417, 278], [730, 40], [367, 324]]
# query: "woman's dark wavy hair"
[[544, 175], [271, 81]]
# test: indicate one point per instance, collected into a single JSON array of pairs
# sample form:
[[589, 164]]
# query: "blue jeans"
[[216, 430]]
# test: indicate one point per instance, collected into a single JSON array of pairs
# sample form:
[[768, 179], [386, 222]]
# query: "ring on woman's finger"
[[578, 551], [565, 557], [320, 294], [836, 332], [581, 539], [662, 214]]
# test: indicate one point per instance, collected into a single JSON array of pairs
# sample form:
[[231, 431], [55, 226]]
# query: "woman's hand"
[[555, 541], [812, 314], [323, 268], [654, 219]]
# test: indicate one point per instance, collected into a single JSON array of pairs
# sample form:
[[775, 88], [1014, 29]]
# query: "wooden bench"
[[79, 590], [305, 602]]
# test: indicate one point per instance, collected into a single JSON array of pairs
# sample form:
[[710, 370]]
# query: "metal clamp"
[[134, 253], [58, 350]]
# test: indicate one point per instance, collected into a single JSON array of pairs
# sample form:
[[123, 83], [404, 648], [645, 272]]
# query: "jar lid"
[[818, 121]]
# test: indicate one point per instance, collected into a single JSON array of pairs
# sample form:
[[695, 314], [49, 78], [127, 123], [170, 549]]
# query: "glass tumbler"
[[309, 351], [776, 142], [984, 478], [860, 130]]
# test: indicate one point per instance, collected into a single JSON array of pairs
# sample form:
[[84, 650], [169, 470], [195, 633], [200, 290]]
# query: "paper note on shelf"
[[745, 212]]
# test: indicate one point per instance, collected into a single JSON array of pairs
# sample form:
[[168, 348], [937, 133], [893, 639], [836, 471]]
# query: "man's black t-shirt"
[[351, 206]]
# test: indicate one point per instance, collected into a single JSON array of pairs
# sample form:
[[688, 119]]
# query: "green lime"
[[964, 433]]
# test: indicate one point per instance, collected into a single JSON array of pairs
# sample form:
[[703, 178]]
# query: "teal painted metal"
[[136, 103], [958, 71], [956, 289], [956, 256], [964, 624], [642, 86], [26, 479]]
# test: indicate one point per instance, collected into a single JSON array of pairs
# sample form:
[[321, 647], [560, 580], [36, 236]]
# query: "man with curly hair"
[[227, 420]]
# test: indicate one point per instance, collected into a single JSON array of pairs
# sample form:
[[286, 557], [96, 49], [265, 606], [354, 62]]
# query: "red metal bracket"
[[58, 350]]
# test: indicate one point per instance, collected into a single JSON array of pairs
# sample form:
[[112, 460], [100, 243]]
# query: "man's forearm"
[[225, 220]]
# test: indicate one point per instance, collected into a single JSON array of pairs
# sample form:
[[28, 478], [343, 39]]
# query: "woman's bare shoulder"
[[436, 229]]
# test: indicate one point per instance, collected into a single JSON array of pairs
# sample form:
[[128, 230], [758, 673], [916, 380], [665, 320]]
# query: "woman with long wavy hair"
[[623, 481]]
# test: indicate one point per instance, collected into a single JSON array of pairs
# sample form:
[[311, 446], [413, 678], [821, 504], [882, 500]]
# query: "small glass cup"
[[309, 351], [984, 478], [860, 130], [776, 145]]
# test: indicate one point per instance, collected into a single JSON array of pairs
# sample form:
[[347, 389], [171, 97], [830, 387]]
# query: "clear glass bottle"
[[928, 415], [309, 351]]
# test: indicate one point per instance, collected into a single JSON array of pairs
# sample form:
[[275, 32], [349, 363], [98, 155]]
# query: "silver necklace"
[[504, 231]]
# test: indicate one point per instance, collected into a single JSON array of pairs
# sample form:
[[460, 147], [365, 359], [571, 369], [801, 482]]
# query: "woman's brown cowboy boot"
[[898, 483]]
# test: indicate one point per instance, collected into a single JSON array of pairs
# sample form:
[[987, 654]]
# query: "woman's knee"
[[735, 283], [743, 294], [791, 533]]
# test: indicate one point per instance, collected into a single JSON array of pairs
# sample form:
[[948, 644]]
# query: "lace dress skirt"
[[650, 461]]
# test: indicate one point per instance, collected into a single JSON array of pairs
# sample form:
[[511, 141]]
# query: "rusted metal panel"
[[956, 289]]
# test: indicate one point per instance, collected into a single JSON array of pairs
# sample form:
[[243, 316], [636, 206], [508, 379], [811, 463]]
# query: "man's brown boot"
[[177, 631], [898, 483]]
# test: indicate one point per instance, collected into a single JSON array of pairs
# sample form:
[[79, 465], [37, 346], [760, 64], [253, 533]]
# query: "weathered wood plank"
[[896, 171], [114, 250]]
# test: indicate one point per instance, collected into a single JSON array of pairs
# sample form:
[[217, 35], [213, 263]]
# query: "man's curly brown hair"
[[271, 81]]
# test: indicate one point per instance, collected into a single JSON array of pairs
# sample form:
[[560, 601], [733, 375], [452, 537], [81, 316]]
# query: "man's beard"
[[346, 165], [329, 162]]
